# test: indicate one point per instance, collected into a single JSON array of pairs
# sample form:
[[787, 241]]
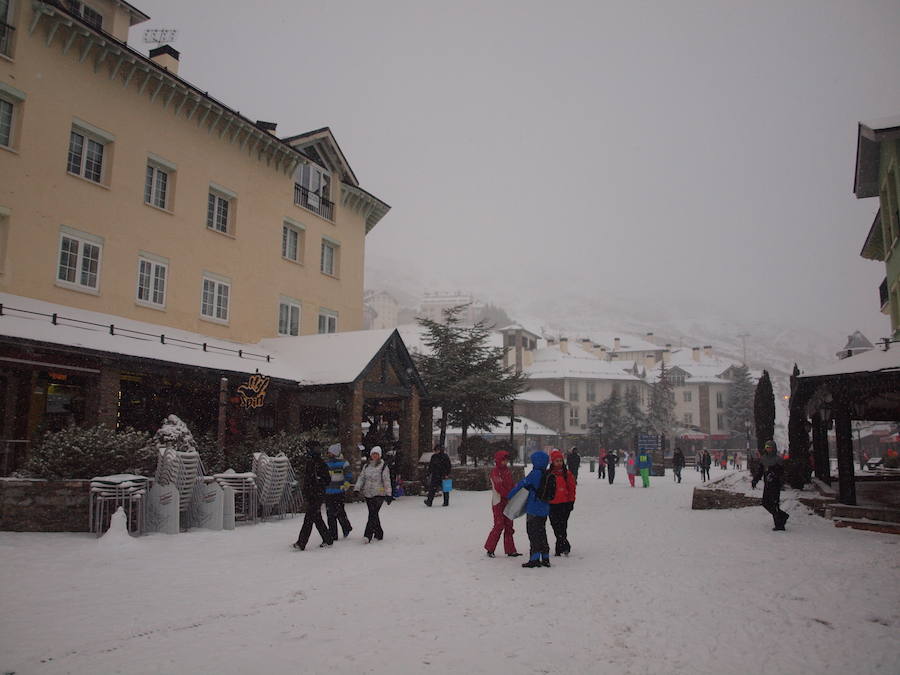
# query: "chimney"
[[616, 343], [551, 342], [695, 353], [667, 355], [649, 337], [166, 56], [586, 345], [707, 351], [649, 361], [564, 345], [603, 353], [597, 350], [266, 126]]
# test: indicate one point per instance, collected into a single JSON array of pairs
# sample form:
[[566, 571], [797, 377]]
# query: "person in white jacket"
[[374, 484]]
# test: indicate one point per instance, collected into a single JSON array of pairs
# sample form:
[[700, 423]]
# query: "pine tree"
[[634, 420], [739, 407], [606, 420], [661, 417], [764, 409]]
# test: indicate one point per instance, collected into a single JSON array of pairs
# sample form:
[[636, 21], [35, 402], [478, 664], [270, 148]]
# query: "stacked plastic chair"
[[246, 503], [110, 492], [272, 476], [183, 469]]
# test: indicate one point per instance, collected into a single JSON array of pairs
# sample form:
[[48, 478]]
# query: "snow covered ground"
[[651, 587]]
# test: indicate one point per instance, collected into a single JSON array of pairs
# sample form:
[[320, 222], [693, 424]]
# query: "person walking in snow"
[[341, 480], [612, 461], [573, 461], [677, 463], [601, 466], [705, 464], [374, 483], [771, 470], [630, 467], [644, 463], [536, 511], [315, 478], [439, 468], [562, 503], [501, 484]]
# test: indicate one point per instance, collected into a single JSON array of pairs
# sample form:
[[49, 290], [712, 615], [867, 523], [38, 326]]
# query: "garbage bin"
[[592, 466]]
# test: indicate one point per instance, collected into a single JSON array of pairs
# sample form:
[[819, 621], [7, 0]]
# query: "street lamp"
[[525, 444]]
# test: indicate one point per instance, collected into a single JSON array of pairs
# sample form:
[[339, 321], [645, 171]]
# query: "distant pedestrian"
[[677, 463], [374, 483], [341, 480], [536, 512], [501, 484], [601, 467], [738, 461], [705, 464], [771, 470], [562, 503], [315, 479], [630, 467], [644, 464], [612, 460], [438, 468], [573, 461]]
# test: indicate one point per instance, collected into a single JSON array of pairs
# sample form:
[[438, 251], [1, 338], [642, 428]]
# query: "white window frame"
[[229, 198], [574, 416], [334, 269], [330, 320], [688, 418], [289, 227], [82, 241], [317, 183], [7, 45], [11, 124], [287, 308], [89, 134], [220, 287], [156, 167], [590, 393], [687, 396], [720, 421], [573, 391], [720, 400], [156, 271]]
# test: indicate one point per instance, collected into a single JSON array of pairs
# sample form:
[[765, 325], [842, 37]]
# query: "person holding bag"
[[439, 468], [501, 484], [374, 484]]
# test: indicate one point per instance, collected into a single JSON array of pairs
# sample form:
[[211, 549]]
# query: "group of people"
[[636, 464]]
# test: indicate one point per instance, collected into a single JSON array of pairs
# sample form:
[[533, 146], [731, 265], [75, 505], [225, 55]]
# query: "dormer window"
[[313, 190], [87, 13]]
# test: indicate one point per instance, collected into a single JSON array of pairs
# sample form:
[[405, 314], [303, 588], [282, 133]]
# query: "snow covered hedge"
[[94, 451]]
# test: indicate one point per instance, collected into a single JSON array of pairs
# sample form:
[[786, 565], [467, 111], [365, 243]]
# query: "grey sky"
[[699, 153]]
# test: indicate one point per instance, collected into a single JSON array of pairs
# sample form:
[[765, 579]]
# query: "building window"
[[158, 183], [217, 212], [688, 418], [720, 421], [79, 261], [312, 190], [720, 399], [214, 299], [573, 391], [151, 282], [590, 393], [6, 30], [327, 321], [329, 257], [574, 419], [687, 396], [289, 317], [6, 120], [292, 237], [86, 155]]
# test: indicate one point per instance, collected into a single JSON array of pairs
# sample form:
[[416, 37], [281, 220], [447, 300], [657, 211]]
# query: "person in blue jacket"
[[536, 512], [644, 462]]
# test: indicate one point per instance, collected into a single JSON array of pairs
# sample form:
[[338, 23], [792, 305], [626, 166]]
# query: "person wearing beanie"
[[501, 484], [562, 503], [439, 468], [374, 483], [771, 470], [341, 480], [315, 478], [536, 511]]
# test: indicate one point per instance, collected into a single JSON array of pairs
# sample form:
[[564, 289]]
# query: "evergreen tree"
[[661, 417], [634, 420], [465, 376], [606, 420], [764, 409], [739, 407]]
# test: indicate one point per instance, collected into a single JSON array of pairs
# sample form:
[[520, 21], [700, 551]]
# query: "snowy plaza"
[[651, 587]]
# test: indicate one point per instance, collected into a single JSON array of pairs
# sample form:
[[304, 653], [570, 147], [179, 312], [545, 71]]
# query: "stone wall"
[[44, 505], [706, 498]]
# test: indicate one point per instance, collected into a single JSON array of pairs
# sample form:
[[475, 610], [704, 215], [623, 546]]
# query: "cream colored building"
[[127, 190]]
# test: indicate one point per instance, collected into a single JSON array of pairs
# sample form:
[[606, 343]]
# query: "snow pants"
[[645, 477], [601, 470], [559, 521], [373, 525], [611, 473], [771, 501], [631, 479], [536, 526], [677, 470], [434, 487], [313, 516], [504, 526], [335, 513]]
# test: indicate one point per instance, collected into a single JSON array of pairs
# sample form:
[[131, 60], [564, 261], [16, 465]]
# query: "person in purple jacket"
[[536, 512]]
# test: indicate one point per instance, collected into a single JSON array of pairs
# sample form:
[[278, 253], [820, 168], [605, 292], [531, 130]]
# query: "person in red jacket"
[[501, 483], [562, 503]]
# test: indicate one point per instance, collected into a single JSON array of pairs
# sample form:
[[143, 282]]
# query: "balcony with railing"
[[6, 36], [883, 294], [313, 202]]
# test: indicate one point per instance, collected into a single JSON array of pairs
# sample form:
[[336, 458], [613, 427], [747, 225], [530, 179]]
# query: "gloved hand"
[[388, 500]]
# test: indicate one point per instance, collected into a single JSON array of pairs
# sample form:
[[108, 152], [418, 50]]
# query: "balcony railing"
[[313, 202], [883, 293], [6, 34]]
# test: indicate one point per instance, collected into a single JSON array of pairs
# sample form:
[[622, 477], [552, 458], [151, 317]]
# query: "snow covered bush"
[[94, 451]]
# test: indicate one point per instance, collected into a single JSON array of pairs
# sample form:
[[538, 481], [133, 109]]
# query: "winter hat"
[[375, 451], [334, 449], [555, 454], [499, 456]]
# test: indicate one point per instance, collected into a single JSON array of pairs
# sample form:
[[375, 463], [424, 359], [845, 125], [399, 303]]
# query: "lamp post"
[[525, 444]]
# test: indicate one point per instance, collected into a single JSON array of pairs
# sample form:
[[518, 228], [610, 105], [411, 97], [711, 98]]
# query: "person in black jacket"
[[611, 460], [677, 463], [573, 461], [439, 468], [771, 470], [315, 479]]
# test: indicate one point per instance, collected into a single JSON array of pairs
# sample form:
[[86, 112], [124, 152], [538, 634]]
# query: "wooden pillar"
[[223, 409], [820, 448], [350, 422], [844, 441], [426, 429], [409, 435], [292, 403], [108, 396]]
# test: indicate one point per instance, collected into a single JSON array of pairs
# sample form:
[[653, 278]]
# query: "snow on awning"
[[694, 437], [894, 438]]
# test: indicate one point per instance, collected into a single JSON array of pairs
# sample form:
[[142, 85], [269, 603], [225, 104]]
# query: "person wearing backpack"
[[563, 501], [315, 478], [537, 508], [644, 463], [374, 483], [341, 479]]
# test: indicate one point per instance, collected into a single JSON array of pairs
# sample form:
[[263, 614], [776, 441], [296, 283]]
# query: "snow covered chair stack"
[[178, 471], [246, 504], [110, 492], [273, 476]]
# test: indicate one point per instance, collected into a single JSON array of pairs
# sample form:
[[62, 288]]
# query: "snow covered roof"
[[627, 343], [875, 360], [334, 358], [501, 428], [539, 396], [550, 362], [868, 153]]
